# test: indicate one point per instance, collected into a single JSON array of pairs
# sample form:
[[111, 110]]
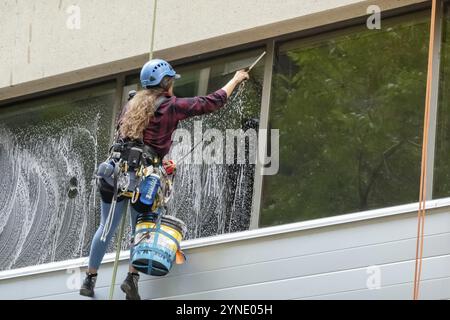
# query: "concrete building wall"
[[38, 51]]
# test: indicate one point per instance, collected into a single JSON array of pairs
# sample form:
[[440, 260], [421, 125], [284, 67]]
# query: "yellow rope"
[[152, 42], [122, 225], [118, 247]]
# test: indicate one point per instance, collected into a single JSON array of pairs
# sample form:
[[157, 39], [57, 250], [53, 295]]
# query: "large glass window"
[[349, 106], [215, 198], [49, 149]]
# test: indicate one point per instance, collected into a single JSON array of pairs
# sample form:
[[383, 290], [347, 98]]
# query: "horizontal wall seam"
[[366, 289], [305, 277]]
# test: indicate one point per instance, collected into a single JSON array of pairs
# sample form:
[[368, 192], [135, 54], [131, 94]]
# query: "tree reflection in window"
[[350, 111]]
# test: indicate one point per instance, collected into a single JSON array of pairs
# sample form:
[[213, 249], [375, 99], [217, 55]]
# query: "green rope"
[[155, 5], [118, 247], [122, 225]]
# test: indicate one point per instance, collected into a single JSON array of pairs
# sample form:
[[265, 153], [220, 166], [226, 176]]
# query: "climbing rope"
[[423, 174], [122, 225], [118, 247], [152, 42]]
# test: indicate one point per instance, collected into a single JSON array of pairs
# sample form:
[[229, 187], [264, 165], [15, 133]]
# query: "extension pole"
[[118, 247], [256, 61]]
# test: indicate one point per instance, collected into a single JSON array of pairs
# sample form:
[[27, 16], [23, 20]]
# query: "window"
[[215, 198], [349, 107], [49, 149]]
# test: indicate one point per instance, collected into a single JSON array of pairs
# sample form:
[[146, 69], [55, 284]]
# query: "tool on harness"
[[136, 163], [169, 166], [108, 223], [128, 171], [105, 170], [149, 189], [134, 157]]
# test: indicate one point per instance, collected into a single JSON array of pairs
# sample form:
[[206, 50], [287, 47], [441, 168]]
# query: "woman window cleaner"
[[150, 116]]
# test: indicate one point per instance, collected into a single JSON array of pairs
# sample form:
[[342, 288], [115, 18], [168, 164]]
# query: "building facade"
[[343, 81]]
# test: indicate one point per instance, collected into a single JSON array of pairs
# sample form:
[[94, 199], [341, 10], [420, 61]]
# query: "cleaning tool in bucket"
[[157, 243]]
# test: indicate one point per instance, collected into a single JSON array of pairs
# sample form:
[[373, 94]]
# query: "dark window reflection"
[[349, 107]]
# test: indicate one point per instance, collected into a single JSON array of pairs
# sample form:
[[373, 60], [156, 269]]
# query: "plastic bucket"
[[155, 246]]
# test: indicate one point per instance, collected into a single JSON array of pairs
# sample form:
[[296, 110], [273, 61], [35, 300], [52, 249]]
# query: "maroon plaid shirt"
[[158, 133]]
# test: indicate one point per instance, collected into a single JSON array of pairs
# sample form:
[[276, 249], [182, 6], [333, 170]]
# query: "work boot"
[[130, 286], [87, 289]]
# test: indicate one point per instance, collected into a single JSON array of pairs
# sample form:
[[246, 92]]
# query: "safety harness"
[[133, 156]]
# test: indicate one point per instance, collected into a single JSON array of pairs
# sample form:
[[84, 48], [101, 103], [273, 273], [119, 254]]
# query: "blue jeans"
[[98, 247]]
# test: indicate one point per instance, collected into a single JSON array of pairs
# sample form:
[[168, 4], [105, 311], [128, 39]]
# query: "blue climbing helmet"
[[154, 71]]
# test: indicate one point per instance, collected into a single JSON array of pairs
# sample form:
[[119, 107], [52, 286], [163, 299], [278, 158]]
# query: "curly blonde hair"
[[141, 109]]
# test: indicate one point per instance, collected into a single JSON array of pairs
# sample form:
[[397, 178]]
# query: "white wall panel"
[[320, 263]]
